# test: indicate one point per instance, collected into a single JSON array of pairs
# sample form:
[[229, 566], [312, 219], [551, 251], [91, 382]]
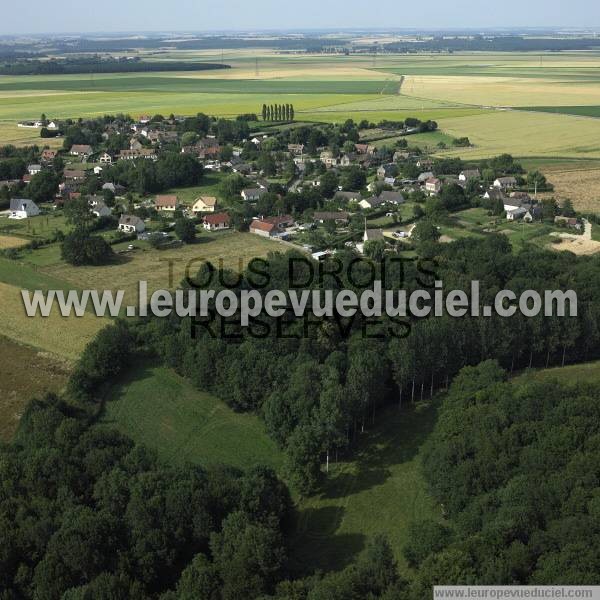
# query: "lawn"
[[209, 187], [43, 226], [379, 489], [16, 389], [164, 412]]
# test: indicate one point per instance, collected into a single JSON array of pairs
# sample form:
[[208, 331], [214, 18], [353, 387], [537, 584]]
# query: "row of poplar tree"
[[278, 112]]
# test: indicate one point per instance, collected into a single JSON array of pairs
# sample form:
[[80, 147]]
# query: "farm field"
[[64, 336], [164, 412], [525, 134], [16, 390], [11, 241], [460, 91]]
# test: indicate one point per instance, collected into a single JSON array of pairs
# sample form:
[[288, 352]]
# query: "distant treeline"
[[73, 67], [494, 44], [114, 45]]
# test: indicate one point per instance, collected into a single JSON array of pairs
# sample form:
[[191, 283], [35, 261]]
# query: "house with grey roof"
[[22, 208]]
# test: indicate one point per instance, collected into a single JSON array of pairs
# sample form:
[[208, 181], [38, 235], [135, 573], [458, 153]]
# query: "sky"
[[70, 16]]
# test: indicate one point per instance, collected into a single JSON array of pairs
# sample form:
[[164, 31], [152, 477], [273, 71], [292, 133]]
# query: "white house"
[[22, 208], [505, 183], [34, 169], [516, 214], [131, 224], [216, 222], [469, 174], [252, 194], [105, 158]]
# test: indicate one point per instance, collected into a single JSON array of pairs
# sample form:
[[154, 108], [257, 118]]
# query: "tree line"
[[278, 112]]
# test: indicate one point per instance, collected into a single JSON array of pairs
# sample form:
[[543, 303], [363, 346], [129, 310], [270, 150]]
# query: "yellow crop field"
[[523, 133], [63, 336], [502, 91]]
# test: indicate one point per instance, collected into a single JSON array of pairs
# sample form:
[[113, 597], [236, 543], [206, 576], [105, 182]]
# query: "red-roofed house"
[[271, 226], [216, 222]]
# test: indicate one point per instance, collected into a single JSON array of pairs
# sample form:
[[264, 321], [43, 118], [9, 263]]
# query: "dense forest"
[[76, 66]]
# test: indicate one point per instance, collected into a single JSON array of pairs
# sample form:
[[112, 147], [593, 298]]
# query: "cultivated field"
[[63, 336], [166, 413]]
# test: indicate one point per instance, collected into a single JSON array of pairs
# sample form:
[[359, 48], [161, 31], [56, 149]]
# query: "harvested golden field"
[[26, 373], [525, 134], [11, 241], [164, 269], [581, 186], [63, 336], [502, 91]]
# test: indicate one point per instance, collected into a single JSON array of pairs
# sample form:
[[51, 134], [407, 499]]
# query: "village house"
[[74, 175], [145, 153], [131, 224], [371, 202], [340, 217], [296, 148], [216, 222], [516, 214], [22, 208], [433, 186], [364, 149], [81, 150], [328, 159], [204, 204], [505, 183], [100, 209], [425, 176], [391, 197], [469, 174], [166, 202], [495, 194], [388, 170], [252, 194], [34, 169], [370, 235], [105, 159], [348, 196], [271, 226]]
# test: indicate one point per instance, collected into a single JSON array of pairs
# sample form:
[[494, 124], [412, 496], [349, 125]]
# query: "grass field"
[[379, 490], [234, 249], [581, 373], [166, 413], [63, 336], [16, 388], [582, 111]]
